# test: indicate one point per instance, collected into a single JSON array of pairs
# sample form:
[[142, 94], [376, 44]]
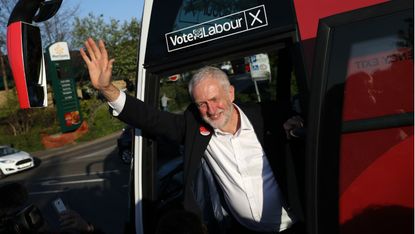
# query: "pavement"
[[49, 153]]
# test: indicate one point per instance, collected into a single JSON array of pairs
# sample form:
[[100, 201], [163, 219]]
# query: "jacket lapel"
[[253, 112], [198, 135]]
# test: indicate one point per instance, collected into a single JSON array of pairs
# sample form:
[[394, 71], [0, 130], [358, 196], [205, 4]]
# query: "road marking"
[[56, 182], [95, 153], [47, 192], [81, 174], [52, 160]]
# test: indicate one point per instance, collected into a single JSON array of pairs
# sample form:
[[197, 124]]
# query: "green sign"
[[59, 71]]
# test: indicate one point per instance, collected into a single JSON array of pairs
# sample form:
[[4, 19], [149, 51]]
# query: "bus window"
[[379, 78], [252, 77]]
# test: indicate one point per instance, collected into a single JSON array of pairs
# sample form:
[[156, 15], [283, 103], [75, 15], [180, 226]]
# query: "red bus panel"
[[377, 181], [15, 54], [310, 12]]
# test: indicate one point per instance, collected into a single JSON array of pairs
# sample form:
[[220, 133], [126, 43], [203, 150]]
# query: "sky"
[[122, 10]]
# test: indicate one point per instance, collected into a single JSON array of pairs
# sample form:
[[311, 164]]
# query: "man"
[[233, 148]]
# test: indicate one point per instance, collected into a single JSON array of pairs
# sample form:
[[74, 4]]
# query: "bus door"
[[251, 41], [360, 133]]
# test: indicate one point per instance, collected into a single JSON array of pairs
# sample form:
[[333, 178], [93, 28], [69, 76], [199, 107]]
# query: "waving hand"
[[100, 68]]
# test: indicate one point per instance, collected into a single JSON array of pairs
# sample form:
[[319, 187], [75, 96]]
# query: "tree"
[[19, 120], [121, 40], [6, 7], [59, 27], [3, 71]]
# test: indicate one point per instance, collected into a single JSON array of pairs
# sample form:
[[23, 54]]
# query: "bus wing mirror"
[[24, 49], [47, 10], [25, 10]]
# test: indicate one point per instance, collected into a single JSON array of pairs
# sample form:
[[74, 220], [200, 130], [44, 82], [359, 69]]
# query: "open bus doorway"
[[259, 75]]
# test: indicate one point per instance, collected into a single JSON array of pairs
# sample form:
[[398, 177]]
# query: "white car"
[[13, 160]]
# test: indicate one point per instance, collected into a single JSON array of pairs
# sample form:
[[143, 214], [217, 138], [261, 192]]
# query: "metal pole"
[[257, 91]]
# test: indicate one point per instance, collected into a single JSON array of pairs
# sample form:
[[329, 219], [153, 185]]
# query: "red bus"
[[346, 67]]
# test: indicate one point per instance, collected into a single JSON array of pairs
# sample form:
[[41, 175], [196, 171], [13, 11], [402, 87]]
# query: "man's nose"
[[211, 108]]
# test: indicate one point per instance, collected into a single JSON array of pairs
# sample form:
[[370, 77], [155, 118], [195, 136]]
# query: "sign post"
[[260, 70], [59, 70]]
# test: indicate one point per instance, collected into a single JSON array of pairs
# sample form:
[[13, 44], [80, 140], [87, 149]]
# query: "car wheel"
[[126, 156], [2, 175]]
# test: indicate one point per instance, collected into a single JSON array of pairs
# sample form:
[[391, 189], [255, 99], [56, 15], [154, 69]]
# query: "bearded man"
[[233, 169]]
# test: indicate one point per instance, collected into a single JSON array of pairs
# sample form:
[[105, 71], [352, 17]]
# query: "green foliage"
[[121, 41], [20, 121], [23, 127], [294, 86], [101, 123], [246, 97], [88, 108], [28, 142], [11, 105], [178, 94]]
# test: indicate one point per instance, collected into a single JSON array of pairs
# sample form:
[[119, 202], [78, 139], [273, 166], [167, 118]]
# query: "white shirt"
[[118, 104], [242, 169]]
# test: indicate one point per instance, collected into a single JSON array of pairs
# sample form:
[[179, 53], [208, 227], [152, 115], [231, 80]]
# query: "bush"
[[23, 128], [42, 121], [101, 123]]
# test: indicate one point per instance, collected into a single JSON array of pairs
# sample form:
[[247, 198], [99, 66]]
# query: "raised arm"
[[100, 68]]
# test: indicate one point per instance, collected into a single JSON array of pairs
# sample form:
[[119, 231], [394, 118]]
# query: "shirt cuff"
[[118, 105]]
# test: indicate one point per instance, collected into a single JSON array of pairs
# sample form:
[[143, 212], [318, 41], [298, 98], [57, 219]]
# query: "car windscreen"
[[7, 151]]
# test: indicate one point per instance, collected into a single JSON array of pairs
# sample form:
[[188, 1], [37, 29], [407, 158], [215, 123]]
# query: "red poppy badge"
[[204, 131]]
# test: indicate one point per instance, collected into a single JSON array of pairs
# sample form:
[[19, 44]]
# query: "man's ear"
[[232, 93]]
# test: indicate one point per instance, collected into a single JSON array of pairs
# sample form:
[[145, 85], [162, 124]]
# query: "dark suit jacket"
[[185, 129]]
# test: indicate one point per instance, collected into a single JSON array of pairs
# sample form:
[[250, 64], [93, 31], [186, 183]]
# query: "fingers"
[[103, 49], [95, 52], [67, 223], [84, 56], [96, 59], [88, 44], [95, 48], [292, 124], [295, 121], [299, 121], [69, 220], [110, 64], [108, 70]]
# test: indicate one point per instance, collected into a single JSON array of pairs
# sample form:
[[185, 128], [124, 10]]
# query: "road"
[[90, 179]]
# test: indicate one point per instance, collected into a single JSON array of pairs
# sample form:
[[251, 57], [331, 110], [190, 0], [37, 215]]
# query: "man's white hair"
[[209, 72]]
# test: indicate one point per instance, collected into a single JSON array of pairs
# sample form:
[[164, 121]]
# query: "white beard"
[[223, 120]]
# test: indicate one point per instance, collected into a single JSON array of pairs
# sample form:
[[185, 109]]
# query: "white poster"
[[59, 51], [260, 68]]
